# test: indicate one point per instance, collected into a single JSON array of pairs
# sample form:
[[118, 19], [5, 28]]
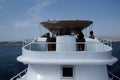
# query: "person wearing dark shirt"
[[81, 46], [91, 35]]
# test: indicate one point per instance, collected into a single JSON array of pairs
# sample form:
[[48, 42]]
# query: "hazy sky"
[[19, 19]]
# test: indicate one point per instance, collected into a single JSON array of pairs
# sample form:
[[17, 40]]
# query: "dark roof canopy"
[[73, 25]]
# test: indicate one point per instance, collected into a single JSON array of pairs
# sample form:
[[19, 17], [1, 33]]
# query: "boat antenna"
[[91, 27], [42, 30]]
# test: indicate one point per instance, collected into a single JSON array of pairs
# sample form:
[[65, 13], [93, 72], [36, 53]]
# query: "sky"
[[20, 19]]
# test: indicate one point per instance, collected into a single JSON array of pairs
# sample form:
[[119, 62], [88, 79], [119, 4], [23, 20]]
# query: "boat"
[[62, 54]]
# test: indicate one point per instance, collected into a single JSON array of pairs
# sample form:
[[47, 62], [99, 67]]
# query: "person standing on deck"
[[91, 35], [81, 46]]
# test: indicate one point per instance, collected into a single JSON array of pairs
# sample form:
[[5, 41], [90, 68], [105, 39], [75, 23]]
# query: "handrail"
[[25, 42], [102, 43], [19, 75], [112, 76], [108, 41]]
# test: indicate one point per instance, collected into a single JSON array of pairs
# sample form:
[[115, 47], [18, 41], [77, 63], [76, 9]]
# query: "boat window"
[[67, 71]]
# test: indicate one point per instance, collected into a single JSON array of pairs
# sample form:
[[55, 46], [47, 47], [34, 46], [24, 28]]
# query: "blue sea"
[[9, 66]]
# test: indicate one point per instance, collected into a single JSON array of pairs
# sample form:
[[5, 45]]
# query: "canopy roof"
[[73, 25]]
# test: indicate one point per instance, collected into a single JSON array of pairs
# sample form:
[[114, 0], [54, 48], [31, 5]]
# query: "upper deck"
[[95, 52]]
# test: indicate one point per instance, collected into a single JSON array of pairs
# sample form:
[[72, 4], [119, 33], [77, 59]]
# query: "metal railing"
[[87, 45], [19, 75], [28, 41], [112, 76], [22, 73], [106, 41]]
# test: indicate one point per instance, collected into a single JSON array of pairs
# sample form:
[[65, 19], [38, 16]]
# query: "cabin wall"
[[42, 72], [54, 72], [66, 43], [91, 72]]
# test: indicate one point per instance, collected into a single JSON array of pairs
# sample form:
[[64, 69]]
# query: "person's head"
[[48, 34], [91, 32]]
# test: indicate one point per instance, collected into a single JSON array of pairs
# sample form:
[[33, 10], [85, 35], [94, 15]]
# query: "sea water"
[[9, 66], [116, 52]]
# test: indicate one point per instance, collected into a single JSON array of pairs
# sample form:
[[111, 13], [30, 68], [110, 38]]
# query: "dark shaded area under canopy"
[[72, 25]]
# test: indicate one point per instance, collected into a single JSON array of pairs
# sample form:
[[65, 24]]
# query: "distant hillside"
[[116, 40], [10, 42]]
